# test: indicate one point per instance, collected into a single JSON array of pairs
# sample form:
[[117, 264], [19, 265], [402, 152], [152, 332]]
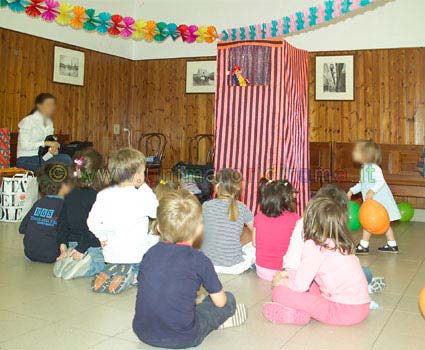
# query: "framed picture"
[[335, 78], [200, 77], [68, 66]]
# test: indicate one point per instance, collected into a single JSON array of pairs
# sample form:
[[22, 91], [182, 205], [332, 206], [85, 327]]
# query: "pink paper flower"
[[51, 11], [293, 24], [355, 5], [320, 14], [337, 9], [306, 18], [128, 27]]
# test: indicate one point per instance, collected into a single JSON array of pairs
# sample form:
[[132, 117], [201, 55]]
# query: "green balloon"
[[353, 216], [406, 211]]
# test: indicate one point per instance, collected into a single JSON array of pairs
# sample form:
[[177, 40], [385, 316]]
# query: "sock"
[[392, 243], [240, 316], [364, 244]]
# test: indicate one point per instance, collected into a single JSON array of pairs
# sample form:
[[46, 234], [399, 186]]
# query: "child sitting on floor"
[[81, 254], [40, 225], [171, 273], [329, 284], [161, 189], [274, 225], [120, 220], [225, 242], [293, 255]]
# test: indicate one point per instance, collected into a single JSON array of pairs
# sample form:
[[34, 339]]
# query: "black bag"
[[68, 149]]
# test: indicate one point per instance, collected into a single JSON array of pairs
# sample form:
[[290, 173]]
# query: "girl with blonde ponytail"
[[225, 220]]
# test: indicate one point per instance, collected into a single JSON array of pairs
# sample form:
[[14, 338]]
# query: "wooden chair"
[[201, 149], [153, 146]]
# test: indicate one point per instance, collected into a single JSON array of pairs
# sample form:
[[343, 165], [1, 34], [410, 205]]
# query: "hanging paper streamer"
[[78, 17], [327, 11]]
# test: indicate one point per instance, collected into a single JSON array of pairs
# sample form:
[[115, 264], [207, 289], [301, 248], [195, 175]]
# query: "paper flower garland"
[[77, 17], [301, 20]]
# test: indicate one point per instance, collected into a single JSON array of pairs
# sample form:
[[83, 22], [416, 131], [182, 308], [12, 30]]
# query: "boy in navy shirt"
[[170, 275], [40, 224]]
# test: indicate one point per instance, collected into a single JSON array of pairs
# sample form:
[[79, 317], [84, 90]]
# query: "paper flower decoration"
[[64, 16], [90, 23], [114, 30], [162, 33], [103, 25], [172, 31], [50, 13], [206, 34], [139, 30], [78, 17], [77, 21], [188, 32], [18, 5], [33, 9], [127, 31], [150, 30]]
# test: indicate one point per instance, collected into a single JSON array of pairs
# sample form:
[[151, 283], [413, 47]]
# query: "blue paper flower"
[[300, 20], [242, 33], [18, 5], [286, 25], [104, 18], [234, 34], [329, 9], [313, 16], [345, 6], [252, 32], [274, 28], [224, 35]]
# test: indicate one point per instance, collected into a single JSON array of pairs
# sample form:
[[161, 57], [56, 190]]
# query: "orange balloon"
[[374, 217], [422, 301]]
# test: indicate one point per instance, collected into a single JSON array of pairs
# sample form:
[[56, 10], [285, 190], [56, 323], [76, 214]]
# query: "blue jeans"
[[97, 261], [34, 163], [208, 318], [368, 273]]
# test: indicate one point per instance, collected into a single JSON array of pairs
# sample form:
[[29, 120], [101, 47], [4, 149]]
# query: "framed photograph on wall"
[[335, 78], [200, 77], [68, 66]]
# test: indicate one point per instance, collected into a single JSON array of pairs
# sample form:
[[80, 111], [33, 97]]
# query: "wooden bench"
[[62, 138], [331, 163]]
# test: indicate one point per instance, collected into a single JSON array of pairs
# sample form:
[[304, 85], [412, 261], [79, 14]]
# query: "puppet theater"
[[281, 89]]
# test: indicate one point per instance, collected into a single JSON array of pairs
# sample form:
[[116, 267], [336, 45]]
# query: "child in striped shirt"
[[226, 242]]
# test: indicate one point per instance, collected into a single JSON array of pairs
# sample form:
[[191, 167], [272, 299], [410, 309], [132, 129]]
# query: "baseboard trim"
[[419, 215]]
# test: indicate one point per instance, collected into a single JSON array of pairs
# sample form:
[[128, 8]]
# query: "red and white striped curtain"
[[262, 128]]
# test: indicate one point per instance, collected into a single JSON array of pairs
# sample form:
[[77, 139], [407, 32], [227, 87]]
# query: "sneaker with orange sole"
[[100, 282]]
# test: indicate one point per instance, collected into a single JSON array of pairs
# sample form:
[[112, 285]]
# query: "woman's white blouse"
[[33, 130]]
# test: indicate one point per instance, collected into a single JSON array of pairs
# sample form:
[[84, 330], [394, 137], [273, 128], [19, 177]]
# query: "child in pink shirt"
[[329, 284], [274, 225]]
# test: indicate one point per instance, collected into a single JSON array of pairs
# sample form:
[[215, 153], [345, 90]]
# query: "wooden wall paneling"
[[150, 96]]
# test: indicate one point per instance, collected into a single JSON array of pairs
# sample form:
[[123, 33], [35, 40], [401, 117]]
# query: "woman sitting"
[[33, 131]]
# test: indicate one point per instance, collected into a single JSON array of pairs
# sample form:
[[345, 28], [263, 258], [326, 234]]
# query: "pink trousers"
[[264, 273], [320, 308]]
